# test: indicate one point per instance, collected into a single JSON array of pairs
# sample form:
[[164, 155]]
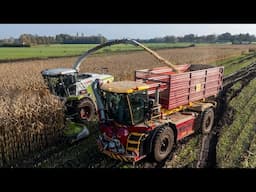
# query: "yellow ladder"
[[133, 142]]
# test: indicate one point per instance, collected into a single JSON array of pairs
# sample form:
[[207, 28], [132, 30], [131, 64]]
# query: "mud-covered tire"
[[163, 143], [207, 121], [86, 110]]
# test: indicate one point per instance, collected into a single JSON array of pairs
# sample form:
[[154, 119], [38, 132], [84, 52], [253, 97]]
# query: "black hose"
[[95, 89]]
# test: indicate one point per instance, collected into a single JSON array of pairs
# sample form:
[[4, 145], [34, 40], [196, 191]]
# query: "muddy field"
[[23, 78]]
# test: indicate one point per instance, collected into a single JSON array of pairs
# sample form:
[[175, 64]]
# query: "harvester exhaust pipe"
[[123, 41], [95, 89]]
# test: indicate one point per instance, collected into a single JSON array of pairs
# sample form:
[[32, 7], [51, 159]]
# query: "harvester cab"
[[68, 83], [61, 81]]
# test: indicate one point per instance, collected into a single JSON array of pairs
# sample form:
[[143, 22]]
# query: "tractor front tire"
[[86, 110], [163, 143], [207, 121]]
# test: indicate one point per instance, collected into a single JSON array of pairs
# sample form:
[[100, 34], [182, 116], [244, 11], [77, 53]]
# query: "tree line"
[[212, 38], [29, 39], [61, 38]]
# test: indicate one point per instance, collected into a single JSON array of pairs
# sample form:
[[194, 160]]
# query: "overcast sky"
[[115, 31]]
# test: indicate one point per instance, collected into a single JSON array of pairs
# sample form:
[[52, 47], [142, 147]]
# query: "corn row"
[[29, 121]]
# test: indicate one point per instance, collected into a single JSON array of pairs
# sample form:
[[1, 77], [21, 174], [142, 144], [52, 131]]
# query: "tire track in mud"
[[207, 157]]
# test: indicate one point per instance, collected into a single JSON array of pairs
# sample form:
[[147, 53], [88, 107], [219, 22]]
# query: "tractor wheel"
[[207, 121], [86, 110], [163, 143]]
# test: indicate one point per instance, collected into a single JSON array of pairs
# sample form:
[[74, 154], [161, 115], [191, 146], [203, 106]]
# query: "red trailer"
[[181, 89]]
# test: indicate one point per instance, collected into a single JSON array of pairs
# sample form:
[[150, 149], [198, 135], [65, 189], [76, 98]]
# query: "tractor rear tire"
[[207, 121], [163, 143], [86, 110]]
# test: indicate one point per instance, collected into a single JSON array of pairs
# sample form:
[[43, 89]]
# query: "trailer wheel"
[[163, 143], [86, 110], [207, 121]]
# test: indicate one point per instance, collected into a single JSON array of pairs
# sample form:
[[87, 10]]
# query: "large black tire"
[[86, 110], [163, 143], [207, 121]]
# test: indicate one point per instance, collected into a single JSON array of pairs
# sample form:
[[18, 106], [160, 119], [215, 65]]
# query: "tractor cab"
[[125, 102], [123, 112], [61, 81]]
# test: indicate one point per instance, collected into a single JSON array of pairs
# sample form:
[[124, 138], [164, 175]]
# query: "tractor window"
[[68, 80], [137, 101], [58, 85], [53, 82], [117, 107]]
